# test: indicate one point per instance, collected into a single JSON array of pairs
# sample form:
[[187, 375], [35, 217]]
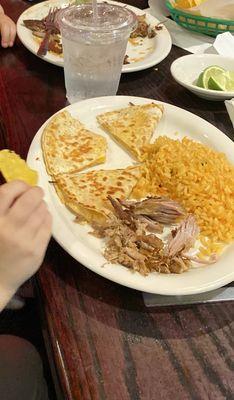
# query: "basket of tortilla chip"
[[190, 15]]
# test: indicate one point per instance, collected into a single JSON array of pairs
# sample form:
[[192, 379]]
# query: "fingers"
[[24, 208], [9, 192], [43, 235], [8, 31], [36, 220], [37, 232], [12, 34], [25, 205]]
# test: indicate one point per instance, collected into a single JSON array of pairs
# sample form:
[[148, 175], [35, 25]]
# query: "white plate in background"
[[151, 52]]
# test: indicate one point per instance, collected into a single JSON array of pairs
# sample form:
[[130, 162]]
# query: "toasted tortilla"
[[69, 147], [86, 194], [133, 126]]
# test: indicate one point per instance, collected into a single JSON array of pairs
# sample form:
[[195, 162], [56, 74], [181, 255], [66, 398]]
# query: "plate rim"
[[217, 283], [128, 68]]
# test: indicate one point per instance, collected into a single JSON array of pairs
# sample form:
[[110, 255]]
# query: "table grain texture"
[[106, 345]]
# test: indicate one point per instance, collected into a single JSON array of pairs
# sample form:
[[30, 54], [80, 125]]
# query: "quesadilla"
[[69, 147], [133, 126], [86, 194]]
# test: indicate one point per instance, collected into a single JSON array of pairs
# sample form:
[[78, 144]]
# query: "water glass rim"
[[128, 24]]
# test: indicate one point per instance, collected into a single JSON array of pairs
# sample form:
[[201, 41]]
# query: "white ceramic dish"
[[149, 53], [75, 239], [186, 70]]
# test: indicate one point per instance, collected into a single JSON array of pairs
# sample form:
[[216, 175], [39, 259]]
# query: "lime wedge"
[[230, 86], [213, 71], [218, 83], [230, 75], [230, 81], [222, 82]]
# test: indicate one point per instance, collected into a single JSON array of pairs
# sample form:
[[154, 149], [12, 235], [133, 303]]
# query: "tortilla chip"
[[12, 167]]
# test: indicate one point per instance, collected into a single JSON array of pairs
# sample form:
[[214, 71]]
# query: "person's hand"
[[7, 29], [25, 230]]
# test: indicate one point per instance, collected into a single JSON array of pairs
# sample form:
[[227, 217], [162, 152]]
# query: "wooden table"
[[105, 343]]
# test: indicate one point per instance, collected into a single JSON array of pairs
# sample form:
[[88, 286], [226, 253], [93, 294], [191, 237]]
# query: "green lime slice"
[[222, 82], [230, 75], [218, 83], [230, 85], [230, 81], [213, 71]]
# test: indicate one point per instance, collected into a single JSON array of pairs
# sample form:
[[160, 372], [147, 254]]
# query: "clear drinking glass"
[[94, 50]]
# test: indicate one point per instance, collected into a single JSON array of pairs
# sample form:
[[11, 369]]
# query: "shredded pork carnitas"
[[131, 238], [144, 29], [39, 27]]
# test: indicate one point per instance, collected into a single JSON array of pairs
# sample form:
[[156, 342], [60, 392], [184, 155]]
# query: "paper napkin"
[[224, 45]]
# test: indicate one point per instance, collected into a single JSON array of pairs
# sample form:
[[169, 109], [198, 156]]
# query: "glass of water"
[[94, 46]]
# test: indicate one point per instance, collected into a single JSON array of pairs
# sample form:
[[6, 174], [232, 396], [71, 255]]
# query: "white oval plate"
[[151, 52], [75, 239], [186, 70]]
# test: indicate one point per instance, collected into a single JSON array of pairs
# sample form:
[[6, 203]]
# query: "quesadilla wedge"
[[133, 126], [85, 194], [69, 147]]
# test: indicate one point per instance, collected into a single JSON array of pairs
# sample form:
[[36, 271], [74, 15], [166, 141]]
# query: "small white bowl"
[[186, 70]]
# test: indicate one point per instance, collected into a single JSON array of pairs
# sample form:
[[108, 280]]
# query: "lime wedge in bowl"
[[230, 81], [186, 70], [218, 83], [230, 86], [224, 82], [213, 71], [230, 75]]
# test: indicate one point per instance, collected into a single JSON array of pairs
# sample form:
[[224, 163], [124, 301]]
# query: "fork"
[[50, 27]]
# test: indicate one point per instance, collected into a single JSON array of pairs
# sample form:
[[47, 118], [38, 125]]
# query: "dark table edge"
[[52, 352]]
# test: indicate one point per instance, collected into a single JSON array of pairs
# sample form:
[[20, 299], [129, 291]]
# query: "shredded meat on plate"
[[132, 236]]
